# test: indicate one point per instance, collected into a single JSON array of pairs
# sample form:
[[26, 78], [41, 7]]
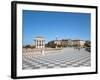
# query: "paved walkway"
[[68, 57]]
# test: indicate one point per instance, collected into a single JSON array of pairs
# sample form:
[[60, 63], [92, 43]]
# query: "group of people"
[[77, 48]]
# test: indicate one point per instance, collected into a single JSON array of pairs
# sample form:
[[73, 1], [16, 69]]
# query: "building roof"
[[39, 37]]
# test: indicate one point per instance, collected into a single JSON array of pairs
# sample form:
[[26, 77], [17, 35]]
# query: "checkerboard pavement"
[[68, 57]]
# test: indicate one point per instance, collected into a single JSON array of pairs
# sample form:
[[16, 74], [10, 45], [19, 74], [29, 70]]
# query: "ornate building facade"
[[39, 42]]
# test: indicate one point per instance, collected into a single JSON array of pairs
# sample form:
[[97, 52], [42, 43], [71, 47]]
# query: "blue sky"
[[63, 25]]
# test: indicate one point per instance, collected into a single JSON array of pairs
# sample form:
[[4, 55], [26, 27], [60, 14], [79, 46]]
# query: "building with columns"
[[78, 42], [39, 42]]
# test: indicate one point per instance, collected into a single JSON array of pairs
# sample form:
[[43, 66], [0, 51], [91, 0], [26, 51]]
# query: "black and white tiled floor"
[[68, 57]]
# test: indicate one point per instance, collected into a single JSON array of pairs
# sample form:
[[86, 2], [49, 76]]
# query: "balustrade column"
[[37, 44]]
